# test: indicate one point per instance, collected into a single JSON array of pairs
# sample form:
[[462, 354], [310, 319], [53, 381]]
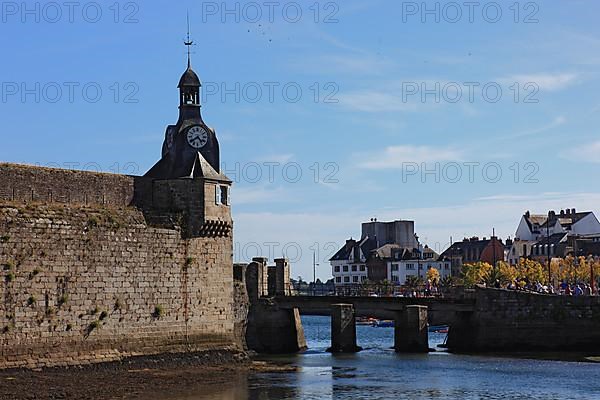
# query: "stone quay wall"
[[506, 320], [88, 280]]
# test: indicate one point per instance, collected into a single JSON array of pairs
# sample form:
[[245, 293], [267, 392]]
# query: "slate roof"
[[366, 245], [189, 79], [458, 248], [554, 239], [197, 167], [565, 220], [386, 251]]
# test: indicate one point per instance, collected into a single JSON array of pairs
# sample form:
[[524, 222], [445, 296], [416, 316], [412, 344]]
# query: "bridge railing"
[[368, 290]]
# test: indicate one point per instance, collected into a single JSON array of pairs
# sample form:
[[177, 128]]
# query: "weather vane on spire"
[[189, 42]]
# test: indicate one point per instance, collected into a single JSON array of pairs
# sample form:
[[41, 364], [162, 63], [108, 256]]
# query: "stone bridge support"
[[343, 329], [411, 330], [271, 329]]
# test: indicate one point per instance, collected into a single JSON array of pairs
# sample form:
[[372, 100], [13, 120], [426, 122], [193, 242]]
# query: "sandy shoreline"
[[148, 378]]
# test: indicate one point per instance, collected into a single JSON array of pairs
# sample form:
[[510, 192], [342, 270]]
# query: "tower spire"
[[189, 42]]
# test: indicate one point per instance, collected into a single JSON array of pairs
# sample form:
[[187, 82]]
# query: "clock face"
[[197, 137]]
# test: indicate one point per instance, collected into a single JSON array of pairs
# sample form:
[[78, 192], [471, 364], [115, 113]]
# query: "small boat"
[[381, 323], [438, 328], [365, 321]]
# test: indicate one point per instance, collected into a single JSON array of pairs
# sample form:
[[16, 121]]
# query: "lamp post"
[[314, 272], [493, 241], [548, 248], [591, 261]]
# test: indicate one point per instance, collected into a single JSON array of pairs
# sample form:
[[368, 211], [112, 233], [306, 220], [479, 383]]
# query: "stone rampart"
[[84, 277]]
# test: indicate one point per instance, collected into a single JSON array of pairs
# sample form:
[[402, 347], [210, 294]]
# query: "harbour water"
[[379, 373]]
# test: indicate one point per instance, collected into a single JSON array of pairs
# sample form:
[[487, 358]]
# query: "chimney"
[[574, 211], [568, 211], [562, 213], [349, 244]]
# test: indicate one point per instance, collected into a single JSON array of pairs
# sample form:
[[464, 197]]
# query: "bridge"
[[440, 310], [411, 316], [480, 319]]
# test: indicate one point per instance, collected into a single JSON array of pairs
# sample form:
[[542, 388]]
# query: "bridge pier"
[[271, 329], [343, 329], [411, 331]]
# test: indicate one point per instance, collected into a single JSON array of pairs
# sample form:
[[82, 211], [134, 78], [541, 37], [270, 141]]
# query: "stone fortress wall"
[[86, 276]]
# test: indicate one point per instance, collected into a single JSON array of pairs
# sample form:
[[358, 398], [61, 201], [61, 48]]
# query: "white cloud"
[[547, 82], [556, 122], [589, 152], [396, 157], [258, 194]]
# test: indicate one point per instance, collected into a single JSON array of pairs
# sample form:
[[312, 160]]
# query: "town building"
[[396, 264], [556, 235], [518, 249], [398, 232], [534, 227], [349, 264], [387, 251], [473, 250]]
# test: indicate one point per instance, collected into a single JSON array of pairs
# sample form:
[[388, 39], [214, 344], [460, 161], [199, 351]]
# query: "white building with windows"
[[403, 264], [360, 261], [533, 227], [349, 264]]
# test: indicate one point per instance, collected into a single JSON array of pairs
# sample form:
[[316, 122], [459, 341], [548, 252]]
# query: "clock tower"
[[186, 186], [190, 141]]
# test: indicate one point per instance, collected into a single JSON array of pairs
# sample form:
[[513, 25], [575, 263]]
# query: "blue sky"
[[367, 130]]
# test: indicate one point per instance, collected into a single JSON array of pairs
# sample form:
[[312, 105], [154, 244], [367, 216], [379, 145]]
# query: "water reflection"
[[379, 373]]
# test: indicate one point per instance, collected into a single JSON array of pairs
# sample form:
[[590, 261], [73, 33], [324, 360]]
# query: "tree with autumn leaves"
[[575, 269], [433, 276], [570, 269]]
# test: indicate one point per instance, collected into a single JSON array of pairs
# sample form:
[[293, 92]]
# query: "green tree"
[[413, 282]]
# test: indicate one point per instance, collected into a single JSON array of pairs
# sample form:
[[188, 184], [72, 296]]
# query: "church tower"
[[186, 185]]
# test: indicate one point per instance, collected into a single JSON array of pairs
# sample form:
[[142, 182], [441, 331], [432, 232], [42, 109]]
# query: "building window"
[[394, 267], [355, 279], [395, 278], [346, 279], [217, 195], [338, 279], [336, 268], [224, 195], [447, 266], [410, 266], [345, 268], [354, 268], [363, 268], [363, 278]]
